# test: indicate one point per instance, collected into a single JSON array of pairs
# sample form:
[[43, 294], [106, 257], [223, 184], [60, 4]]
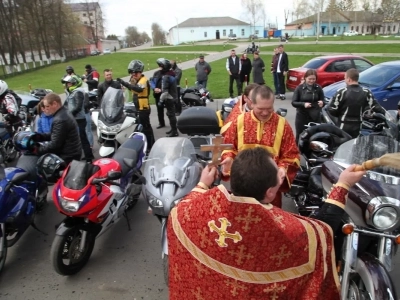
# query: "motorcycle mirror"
[[113, 175], [318, 146], [282, 112]]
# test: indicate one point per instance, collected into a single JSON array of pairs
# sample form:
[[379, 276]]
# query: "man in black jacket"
[[92, 77], [178, 76], [349, 103], [282, 69], [108, 82], [234, 66]]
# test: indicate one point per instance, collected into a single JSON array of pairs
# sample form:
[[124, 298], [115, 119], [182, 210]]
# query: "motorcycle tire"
[[166, 268], [4, 256], [10, 151], [64, 244], [133, 199]]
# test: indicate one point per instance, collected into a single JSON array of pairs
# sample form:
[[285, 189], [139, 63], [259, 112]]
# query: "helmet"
[[49, 166], [135, 66], [23, 141], [3, 87], [323, 137], [165, 64], [69, 68], [75, 80]]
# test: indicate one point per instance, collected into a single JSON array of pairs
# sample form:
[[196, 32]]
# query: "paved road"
[[124, 264]]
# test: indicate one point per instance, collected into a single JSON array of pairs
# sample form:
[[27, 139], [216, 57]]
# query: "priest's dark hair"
[[253, 173]]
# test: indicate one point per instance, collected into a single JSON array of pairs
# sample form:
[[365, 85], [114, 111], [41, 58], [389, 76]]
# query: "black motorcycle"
[[195, 96]]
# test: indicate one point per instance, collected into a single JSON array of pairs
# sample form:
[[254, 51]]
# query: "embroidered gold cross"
[[248, 219], [279, 219], [223, 234], [215, 207], [186, 216], [197, 294], [204, 241], [275, 289], [281, 255], [201, 269], [235, 286], [216, 149], [240, 254]]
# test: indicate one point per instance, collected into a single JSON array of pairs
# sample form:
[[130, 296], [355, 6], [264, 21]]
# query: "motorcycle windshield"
[[112, 105], [176, 152], [364, 148]]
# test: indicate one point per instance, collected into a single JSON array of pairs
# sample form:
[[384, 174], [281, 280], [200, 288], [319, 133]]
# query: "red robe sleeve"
[[231, 137]]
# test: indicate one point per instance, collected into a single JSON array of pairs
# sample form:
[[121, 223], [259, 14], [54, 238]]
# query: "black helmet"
[[135, 66], [24, 141], [49, 166], [69, 68], [165, 64], [323, 137]]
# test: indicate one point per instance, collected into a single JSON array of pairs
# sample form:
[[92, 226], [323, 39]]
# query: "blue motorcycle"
[[18, 192]]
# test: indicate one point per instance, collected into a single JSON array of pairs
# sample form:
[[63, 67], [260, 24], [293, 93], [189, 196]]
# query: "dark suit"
[[283, 62]]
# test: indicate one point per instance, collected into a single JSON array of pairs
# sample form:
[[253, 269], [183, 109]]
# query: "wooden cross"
[[216, 149], [223, 233]]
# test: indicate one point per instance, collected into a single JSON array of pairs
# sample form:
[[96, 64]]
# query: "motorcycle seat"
[[28, 163], [192, 100], [315, 182], [128, 154]]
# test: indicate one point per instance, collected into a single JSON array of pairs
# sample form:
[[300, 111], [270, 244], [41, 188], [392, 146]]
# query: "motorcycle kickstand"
[[127, 220]]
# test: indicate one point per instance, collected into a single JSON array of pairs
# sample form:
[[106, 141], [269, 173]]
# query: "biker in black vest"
[[234, 66]]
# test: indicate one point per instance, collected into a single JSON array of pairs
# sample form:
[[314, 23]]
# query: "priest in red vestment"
[[244, 104], [262, 127], [238, 246]]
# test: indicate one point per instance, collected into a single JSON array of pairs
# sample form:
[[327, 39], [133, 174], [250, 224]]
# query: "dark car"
[[382, 79], [95, 52], [330, 69]]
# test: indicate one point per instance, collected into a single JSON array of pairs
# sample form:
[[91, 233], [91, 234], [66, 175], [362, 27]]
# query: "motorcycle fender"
[[95, 117], [375, 277], [123, 135], [106, 151], [164, 240], [70, 223]]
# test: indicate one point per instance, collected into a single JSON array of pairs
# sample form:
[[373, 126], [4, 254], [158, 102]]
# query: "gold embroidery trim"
[[203, 185], [199, 190], [225, 127], [243, 275], [324, 245]]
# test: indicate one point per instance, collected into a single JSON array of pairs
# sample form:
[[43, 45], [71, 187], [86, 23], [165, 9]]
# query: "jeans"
[[203, 83], [88, 129], [276, 82], [84, 141]]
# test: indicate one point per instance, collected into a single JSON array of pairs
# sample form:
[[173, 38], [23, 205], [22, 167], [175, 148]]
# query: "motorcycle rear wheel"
[[166, 268], [4, 256], [66, 248]]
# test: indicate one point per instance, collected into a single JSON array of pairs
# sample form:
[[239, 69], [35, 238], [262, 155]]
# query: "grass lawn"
[[218, 81], [339, 48], [193, 48], [49, 77]]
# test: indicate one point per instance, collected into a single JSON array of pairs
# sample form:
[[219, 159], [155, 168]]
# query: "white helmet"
[[3, 87]]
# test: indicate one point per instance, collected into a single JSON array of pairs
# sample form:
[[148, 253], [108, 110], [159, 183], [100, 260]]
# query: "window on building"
[[362, 29], [357, 28], [90, 14], [85, 23], [224, 32], [84, 15], [205, 34], [257, 32], [367, 29], [344, 28], [230, 31], [338, 29], [394, 28], [91, 22], [242, 32], [388, 28], [352, 28]]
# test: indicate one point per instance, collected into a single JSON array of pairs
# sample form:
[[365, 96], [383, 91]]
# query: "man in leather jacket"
[[108, 82], [92, 77], [349, 103]]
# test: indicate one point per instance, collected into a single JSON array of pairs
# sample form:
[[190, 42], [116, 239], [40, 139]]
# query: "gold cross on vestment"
[[223, 234], [197, 294], [281, 255], [216, 149], [274, 290], [235, 286], [240, 254], [248, 219]]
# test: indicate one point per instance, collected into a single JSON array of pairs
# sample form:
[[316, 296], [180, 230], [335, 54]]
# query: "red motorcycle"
[[93, 197]]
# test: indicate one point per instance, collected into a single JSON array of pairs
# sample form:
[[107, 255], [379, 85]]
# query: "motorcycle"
[[317, 144], [370, 231], [174, 166], [114, 125], [18, 192], [195, 96], [93, 197]]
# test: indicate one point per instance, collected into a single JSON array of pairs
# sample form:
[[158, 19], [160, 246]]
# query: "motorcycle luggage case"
[[198, 121]]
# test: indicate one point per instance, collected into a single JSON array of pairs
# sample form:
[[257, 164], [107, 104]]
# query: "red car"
[[330, 69]]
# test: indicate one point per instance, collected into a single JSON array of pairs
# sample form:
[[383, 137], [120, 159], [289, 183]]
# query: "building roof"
[[211, 21], [83, 6], [340, 16]]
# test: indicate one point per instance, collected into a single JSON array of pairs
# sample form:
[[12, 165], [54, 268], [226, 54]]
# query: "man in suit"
[[281, 70], [234, 66]]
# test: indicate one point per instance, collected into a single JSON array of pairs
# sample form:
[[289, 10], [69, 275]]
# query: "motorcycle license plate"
[[292, 78]]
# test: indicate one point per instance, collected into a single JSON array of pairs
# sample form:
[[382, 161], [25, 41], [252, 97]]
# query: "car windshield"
[[314, 63], [378, 75]]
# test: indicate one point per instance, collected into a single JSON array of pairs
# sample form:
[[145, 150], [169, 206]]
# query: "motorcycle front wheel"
[[65, 255], [3, 256]]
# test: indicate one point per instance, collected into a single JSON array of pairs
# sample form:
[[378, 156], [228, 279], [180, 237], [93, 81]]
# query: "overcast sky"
[[120, 14]]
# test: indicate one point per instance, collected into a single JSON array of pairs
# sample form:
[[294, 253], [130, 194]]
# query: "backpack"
[[17, 98]]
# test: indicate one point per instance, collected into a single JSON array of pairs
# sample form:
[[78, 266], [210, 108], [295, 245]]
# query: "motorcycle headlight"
[[383, 213], [111, 129], [70, 205], [154, 201]]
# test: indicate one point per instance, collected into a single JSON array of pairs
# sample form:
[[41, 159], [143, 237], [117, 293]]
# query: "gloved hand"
[[119, 80], [160, 103]]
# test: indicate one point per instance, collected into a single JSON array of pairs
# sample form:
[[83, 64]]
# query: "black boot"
[[173, 133], [169, 131]]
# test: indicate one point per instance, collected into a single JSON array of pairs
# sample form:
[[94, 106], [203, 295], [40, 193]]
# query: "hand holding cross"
[[216, 149]]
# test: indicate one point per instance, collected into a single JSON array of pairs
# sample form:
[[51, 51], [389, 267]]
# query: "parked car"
[[350, 33], [330, 69], [382, 79], [94, 52], [232, 37], [107, 51], [253, 36]]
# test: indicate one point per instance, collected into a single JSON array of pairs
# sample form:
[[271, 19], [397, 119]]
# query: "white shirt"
[[233, 58], [278, 69]]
